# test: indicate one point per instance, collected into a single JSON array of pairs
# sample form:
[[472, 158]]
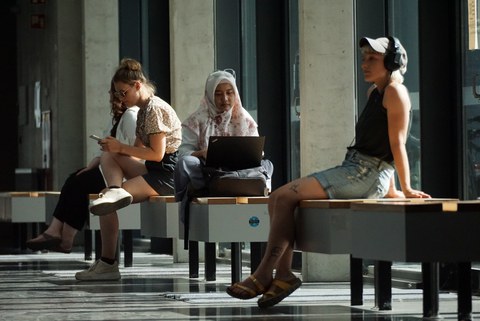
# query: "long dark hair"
[[117, 108]]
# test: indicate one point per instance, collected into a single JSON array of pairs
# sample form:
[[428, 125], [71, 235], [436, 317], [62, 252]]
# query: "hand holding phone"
[[95, 137]]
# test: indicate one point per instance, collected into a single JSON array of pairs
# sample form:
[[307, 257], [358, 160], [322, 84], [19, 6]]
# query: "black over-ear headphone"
[[393, 56]]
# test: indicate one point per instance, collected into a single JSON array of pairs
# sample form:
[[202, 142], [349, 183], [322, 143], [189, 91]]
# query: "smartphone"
[[95, 137]]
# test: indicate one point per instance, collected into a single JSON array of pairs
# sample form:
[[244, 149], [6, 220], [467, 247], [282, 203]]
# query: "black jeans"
[[72, 207]]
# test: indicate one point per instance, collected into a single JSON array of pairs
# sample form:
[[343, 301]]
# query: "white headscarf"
[[208, 120]]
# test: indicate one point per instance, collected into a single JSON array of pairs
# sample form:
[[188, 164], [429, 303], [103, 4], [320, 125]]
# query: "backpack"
[[254, 181]]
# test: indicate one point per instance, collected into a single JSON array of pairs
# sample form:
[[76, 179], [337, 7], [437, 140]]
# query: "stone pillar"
[[100, 58], [192, 58], [327, 95], [192, 55]]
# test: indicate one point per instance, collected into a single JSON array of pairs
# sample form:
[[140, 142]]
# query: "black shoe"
[[46, 242]]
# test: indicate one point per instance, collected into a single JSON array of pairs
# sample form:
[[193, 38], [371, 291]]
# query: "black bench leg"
[[210, 261], [464, 291], [356, 281], [98, 245], [193, 259], [256, 255], [88, 244], [236, 261], [118, 250], [383, 285], [127, 237], [23, 236], [430, 279]]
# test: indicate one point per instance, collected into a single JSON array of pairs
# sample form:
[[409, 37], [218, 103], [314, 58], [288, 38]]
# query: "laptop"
[[235, 152]]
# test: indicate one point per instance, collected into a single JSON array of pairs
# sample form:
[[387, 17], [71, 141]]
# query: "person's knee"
[[281, 197], [186, 162], [189, 161]]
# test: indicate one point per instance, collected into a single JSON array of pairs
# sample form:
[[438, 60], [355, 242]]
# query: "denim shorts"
[[359, 176]]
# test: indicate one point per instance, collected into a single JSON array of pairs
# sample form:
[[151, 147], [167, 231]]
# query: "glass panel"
[[294, 63], [471, 100], [249, 57], [403, 24]]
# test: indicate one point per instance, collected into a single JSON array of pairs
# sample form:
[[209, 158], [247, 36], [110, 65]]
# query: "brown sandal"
[[247, 292], [278, 291]]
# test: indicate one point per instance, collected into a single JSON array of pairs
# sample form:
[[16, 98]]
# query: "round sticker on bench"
[[254, 221]]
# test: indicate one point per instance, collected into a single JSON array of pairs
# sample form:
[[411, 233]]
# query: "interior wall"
[[327, 95], [192, 56], [37, 53], [100, 51], [73, 63]]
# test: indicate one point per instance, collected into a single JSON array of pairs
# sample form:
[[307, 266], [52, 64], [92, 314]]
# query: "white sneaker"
[[99, 271], [112, 200]]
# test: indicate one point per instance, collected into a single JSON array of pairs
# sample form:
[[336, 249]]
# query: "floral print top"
[[159, 117]]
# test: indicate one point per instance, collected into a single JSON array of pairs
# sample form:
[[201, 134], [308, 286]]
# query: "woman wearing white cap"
[[366, 172]]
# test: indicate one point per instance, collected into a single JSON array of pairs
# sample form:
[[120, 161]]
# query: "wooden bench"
[[129, 220], [159, 217], [24, 208], [326, 226], [227, 219], [429, 233]]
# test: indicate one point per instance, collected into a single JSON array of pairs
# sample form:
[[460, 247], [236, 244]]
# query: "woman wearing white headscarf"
[[220, 114]]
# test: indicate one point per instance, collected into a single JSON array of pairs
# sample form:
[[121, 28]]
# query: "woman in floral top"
[[134, 173]]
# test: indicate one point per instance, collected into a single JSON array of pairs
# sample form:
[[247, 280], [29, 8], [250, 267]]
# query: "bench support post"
[[256, 255], [193, 259], [356, 281], [210, 261], [88, 245], [236, 261], [430, 279], [98, 245], [383, 285], [464, 291], [127, 238], [23, 236]]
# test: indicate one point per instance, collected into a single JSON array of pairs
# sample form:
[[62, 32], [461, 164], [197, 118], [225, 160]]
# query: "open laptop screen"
[[235, 152]]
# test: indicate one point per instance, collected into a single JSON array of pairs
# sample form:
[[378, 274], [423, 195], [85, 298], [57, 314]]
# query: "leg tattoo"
[[294, 187]]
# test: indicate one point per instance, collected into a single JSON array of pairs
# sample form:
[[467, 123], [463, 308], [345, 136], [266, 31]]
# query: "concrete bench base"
[[324, 226], [159, 217], [129, 220], [22, 207], [429, 233], [227, 219]]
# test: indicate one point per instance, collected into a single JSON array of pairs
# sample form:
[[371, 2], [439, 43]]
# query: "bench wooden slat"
[[398, 206], [252, 200], [215, 200], [162, 199], [468, 206], [22, 194], [328, 203]]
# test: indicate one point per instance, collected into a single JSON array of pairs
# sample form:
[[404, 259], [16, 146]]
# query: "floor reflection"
[[43, 287]]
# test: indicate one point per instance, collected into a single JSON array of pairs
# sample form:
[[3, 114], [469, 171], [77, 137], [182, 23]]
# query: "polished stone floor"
[[42, 287]]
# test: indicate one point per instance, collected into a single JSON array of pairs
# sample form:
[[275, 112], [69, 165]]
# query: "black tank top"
[[371, 130]]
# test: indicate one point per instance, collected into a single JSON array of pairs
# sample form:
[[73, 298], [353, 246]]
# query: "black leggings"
[[72, 207]]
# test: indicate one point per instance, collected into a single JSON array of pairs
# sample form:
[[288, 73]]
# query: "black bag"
[[253, 181]]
